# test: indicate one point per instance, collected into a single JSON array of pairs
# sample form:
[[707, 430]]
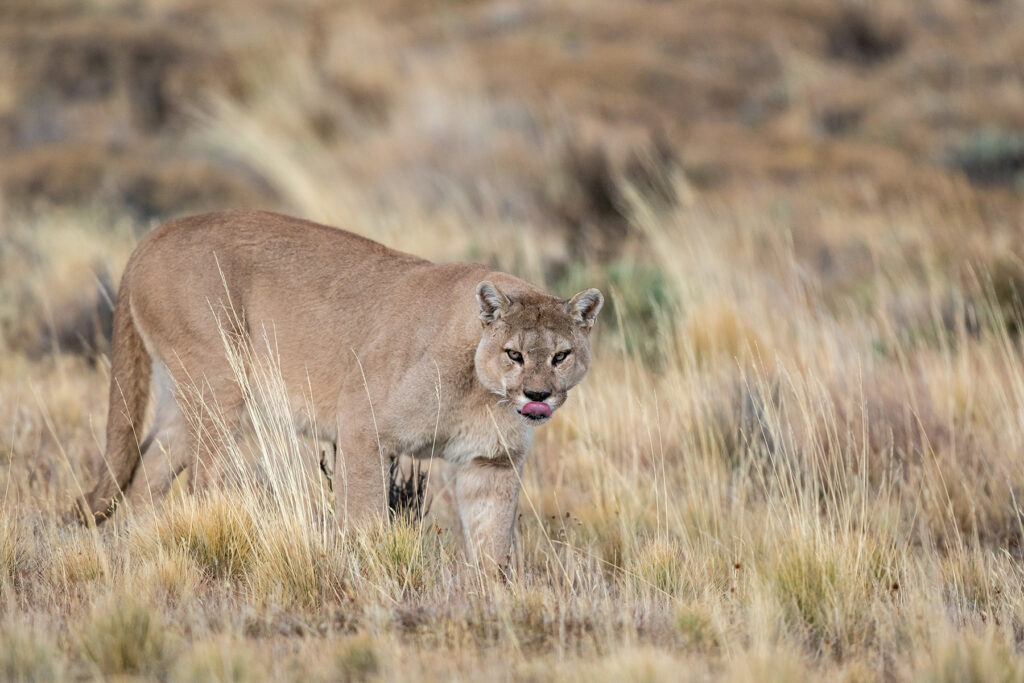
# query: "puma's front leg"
[[487, 493], [360, 478]]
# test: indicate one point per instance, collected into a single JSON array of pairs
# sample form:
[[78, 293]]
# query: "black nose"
[[536, 395]]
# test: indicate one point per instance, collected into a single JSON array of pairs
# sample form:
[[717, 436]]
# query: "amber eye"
[[515, 356], [559, 357]]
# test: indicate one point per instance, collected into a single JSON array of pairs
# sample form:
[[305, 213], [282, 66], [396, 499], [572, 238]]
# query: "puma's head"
[[534, 347]]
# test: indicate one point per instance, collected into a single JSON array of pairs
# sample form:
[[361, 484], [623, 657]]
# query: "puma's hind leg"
[[165, 455], [164, 450], [189, 432]]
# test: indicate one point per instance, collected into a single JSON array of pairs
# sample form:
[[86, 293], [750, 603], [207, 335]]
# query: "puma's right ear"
[[493, 304], [585, 306]]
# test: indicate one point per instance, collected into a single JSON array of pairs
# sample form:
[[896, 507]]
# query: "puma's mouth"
[[536, 410]]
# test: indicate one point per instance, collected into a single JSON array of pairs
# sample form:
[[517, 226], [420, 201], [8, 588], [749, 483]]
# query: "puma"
[[394, 353]]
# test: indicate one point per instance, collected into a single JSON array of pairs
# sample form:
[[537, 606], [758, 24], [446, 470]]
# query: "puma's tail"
[[130, 372]]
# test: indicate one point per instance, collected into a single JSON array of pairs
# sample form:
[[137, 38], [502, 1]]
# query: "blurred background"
[[797, 455], [456, 128]]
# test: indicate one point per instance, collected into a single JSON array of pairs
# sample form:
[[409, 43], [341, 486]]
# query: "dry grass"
[[797, 454], [787, 480]]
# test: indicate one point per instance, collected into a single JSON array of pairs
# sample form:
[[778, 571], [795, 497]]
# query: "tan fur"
[[374, 335]]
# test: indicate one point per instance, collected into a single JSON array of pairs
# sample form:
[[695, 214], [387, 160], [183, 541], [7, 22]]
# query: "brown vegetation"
[[798, 451]]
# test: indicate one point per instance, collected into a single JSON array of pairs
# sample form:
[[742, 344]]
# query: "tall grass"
[[798, 452], [794, 475]]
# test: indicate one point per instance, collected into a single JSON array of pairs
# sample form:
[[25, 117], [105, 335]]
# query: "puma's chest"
[[488, 439]]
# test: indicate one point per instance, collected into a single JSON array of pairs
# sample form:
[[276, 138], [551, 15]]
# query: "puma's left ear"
[[585, 306]]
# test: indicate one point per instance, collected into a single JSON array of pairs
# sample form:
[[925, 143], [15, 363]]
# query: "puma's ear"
[[493, 304], [585, 306]]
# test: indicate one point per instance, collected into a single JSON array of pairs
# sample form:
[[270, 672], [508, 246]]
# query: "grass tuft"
[[214, 532], [223, 660], [27, 655], [356, 659], [125, 636], [660, 566], [13, 554], [404, 555]]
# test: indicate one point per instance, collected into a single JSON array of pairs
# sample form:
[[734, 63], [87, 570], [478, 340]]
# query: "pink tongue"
[[537, 409]]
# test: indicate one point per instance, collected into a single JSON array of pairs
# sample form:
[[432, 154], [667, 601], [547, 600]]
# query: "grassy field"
[[799, 452]]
